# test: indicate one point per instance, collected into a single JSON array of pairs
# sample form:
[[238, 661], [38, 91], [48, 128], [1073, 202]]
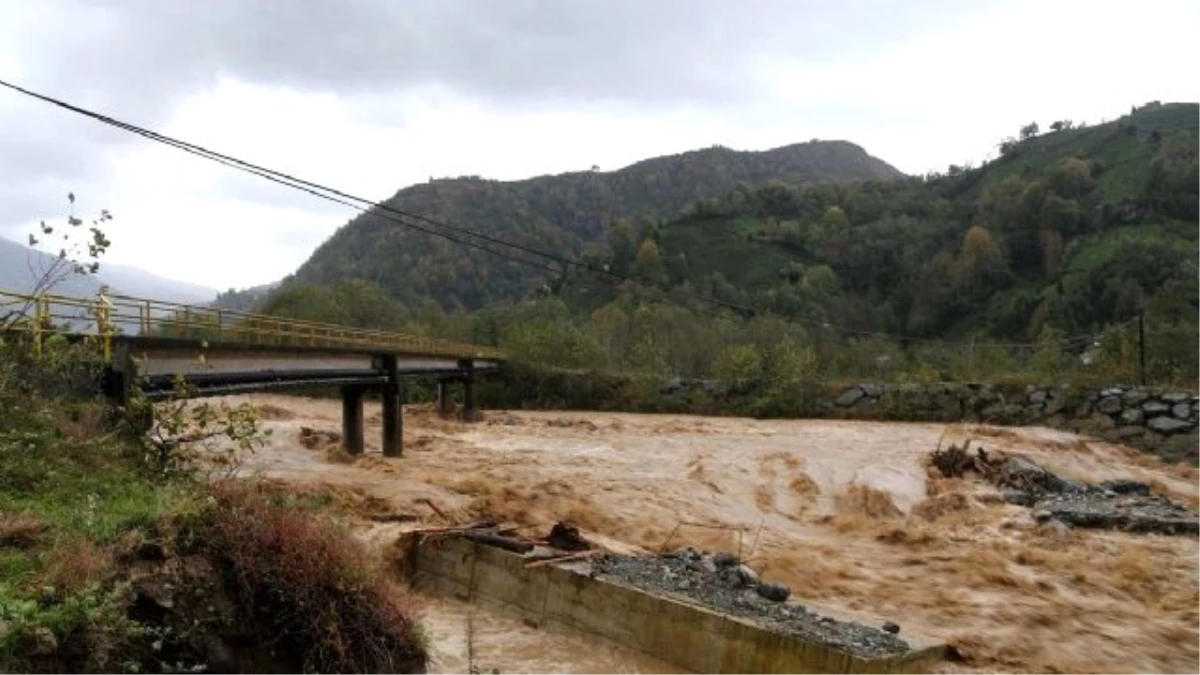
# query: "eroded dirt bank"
[[846, 513]]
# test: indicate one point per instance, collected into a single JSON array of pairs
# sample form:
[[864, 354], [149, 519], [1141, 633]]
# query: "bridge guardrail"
[[109, 315]]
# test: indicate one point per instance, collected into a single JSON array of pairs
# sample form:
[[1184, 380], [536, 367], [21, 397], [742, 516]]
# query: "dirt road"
[[843, 512]]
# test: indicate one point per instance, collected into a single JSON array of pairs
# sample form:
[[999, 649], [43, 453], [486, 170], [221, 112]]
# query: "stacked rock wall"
[[1161, 422]]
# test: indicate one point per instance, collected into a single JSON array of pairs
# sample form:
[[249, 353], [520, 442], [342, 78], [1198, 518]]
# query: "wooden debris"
[[456, 529], [393, 517], [490, 539], [433, 507], [580, 555], [566, 536]]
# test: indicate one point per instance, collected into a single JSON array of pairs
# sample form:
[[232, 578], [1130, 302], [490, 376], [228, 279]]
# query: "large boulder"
[[1169, 425], [849, 397], [1131, 416], [1109, 405], [1152, 408]]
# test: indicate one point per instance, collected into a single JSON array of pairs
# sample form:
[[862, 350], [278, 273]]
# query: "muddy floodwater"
[[848, 514]]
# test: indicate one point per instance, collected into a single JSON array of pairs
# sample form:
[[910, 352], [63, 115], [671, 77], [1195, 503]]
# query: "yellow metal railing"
[[107, 316]]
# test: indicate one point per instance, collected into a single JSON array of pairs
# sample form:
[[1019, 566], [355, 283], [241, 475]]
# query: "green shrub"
[[313, 591]]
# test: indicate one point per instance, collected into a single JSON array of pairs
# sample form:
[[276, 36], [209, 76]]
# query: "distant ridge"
[[15, 275], [561, 213]]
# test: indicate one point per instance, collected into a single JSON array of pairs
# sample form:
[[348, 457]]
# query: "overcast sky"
[[371, 96]]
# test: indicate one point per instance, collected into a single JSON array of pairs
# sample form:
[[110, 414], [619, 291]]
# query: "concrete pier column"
[[393, 411], [470, 411], [352, 419], [393, 421], [444, 401]]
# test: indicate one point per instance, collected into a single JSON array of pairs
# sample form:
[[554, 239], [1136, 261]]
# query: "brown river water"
[[844, 512]]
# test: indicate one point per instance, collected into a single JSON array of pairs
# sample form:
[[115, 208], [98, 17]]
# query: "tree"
[[648, 266], [1029, 131], [621, 243], [1061, 125], [1007, 146], [980, 266], [78, 255], [1059, 214], [738, 362], [1072, 178], [1052, 250], [835, 217]]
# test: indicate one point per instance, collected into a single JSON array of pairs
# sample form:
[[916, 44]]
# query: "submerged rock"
[[723, 559], [774, 592]]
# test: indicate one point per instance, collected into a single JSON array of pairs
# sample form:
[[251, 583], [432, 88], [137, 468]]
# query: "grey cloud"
[[635, 51], [253, 189], [137, 59]]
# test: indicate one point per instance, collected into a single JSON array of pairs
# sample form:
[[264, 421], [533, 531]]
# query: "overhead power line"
[[464, 235], [470, 238]]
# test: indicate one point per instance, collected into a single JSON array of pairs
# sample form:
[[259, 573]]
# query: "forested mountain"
[[558, 213], [1037, 262], [246, 299], [1074, 228]]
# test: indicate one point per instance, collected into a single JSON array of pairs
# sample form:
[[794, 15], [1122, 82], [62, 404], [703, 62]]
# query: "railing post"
[[103, 323], [40, 316]]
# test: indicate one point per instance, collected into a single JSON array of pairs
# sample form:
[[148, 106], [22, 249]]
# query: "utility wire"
[[363, 204], [464, 236]]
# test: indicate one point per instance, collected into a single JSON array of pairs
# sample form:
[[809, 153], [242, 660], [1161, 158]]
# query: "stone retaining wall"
[[1160, 422]]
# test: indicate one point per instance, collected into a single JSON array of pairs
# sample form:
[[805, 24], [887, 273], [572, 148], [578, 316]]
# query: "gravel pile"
[[1112, 504], [1114, 511], [721, 582]]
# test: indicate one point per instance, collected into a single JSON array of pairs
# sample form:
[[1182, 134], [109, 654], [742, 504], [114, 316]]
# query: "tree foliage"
[[563, 214], [1066, 235]]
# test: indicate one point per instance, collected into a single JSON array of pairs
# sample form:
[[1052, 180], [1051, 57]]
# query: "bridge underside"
[[157, 367]]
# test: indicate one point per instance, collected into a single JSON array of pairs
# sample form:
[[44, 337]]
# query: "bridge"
[[163, 348]]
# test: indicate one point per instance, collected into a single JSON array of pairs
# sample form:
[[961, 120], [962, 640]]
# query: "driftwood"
[[393, 517], [490, 539], [456, 529], [429, 502], [482, 532], [542, 562], [955, 461], [509, 527]]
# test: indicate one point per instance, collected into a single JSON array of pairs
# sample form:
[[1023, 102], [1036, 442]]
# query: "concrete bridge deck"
[[162, 350]]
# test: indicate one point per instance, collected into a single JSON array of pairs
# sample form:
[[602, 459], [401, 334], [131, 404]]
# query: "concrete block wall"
[[688, 635]]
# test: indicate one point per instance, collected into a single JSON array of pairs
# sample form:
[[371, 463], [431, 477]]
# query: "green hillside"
[[559, 213], [1072, 229], [1053, 250]]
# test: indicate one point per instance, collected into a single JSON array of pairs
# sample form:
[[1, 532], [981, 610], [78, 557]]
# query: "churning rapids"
[[847, 514]]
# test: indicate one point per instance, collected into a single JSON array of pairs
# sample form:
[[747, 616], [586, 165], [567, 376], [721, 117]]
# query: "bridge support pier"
[[352, 419], [470, 411], [393, 411], [443, 398]]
